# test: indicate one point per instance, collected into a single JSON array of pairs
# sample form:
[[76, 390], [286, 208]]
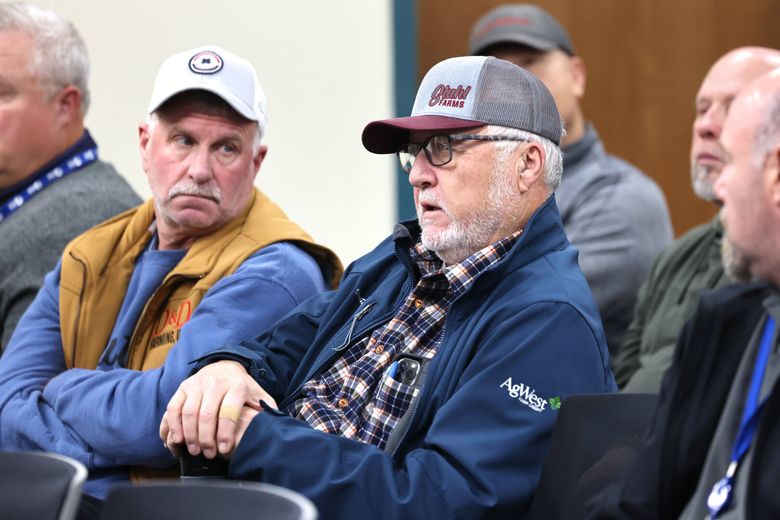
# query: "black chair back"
[[594, 440], [205, 499], [39, 486]]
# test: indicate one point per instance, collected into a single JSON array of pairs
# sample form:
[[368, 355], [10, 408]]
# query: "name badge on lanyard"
[[719, 498], [35, 186]]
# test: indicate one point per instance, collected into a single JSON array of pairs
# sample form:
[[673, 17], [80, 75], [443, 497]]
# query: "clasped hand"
[[212, 409]]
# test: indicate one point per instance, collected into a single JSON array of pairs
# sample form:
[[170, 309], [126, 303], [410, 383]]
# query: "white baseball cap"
[[215, 70]]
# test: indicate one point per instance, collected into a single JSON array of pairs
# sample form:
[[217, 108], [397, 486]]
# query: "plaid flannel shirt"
[[359, 397]]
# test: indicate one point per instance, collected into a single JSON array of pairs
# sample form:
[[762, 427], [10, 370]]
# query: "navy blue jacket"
[[526, 335]]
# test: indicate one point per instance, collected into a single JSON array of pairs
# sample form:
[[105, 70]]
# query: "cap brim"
[[387, 135], [527, 40], [227, 97]]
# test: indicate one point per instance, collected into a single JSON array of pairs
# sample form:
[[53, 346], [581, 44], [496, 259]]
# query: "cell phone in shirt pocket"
[[406, 369]]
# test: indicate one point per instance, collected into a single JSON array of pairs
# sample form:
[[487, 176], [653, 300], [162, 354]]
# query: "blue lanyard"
[[32, 188], [720, 496]]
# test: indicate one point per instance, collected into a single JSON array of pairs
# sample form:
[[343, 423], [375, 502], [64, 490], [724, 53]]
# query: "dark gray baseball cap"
[[525, 24], [467, 92]]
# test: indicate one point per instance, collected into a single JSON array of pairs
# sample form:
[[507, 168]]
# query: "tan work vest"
[[97, 266]]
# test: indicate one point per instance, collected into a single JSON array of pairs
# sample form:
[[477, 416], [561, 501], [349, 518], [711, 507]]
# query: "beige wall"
[[326, 68]]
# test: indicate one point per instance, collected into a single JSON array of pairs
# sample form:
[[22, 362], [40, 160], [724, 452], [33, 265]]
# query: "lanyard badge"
[[719, 498], [36, 185]]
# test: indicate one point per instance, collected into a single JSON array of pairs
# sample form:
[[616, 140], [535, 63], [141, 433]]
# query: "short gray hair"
[[60, 56], [553, 164]]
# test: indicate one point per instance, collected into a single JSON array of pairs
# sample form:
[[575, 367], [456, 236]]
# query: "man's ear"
[[143, 144], [529, 166], [258, 158], [68, 103], [772, 171], [578, 76]]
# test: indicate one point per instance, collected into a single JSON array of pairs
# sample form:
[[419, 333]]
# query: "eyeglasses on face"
[[438, 148]]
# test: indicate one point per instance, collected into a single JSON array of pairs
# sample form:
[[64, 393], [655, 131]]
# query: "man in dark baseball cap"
[[613, 213], [427, 385]]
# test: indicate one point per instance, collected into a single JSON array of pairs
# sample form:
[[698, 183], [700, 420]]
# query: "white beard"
[[466, 235], [703, 182]]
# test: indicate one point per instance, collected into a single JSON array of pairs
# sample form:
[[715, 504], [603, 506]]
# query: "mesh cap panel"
[[471, 91]]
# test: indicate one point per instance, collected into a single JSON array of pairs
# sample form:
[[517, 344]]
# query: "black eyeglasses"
[[438, 148]]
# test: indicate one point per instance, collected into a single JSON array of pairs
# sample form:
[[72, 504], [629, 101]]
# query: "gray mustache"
[[197, 190]]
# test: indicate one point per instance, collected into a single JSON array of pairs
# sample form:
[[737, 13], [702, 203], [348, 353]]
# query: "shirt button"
[[379, 349], [418, 303], [343, 403]]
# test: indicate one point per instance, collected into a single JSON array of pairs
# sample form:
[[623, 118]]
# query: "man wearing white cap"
[[614, 214], [428, 384], [209, 259]]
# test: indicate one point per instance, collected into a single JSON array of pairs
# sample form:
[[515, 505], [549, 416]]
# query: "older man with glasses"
[[429, 382]]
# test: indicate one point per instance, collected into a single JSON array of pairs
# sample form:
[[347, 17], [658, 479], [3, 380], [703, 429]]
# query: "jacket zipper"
[[336, 353], [424, 379], [413, 413], [420, 394], [358, 315]]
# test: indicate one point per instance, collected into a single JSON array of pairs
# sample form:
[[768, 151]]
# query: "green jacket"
[[666, 300]]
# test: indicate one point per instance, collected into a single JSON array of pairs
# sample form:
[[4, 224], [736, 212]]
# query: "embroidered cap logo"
[[447, 96], [206, 62]]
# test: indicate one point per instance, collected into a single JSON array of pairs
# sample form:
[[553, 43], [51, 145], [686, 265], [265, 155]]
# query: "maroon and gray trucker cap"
[[468, 92], [524, 24]]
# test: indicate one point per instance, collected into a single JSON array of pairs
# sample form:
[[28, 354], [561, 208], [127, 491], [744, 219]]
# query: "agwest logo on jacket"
[[169, 326], [527, 396]]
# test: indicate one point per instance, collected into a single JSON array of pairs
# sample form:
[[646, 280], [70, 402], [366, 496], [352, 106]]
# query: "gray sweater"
[[617, 217], [33, 237]]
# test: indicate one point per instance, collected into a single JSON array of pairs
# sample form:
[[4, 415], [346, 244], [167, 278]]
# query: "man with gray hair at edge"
[[53, 185], [428, 384], [713, 447]]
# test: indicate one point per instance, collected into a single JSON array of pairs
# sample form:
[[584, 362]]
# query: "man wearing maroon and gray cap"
[[427, 385], [613, 214]]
